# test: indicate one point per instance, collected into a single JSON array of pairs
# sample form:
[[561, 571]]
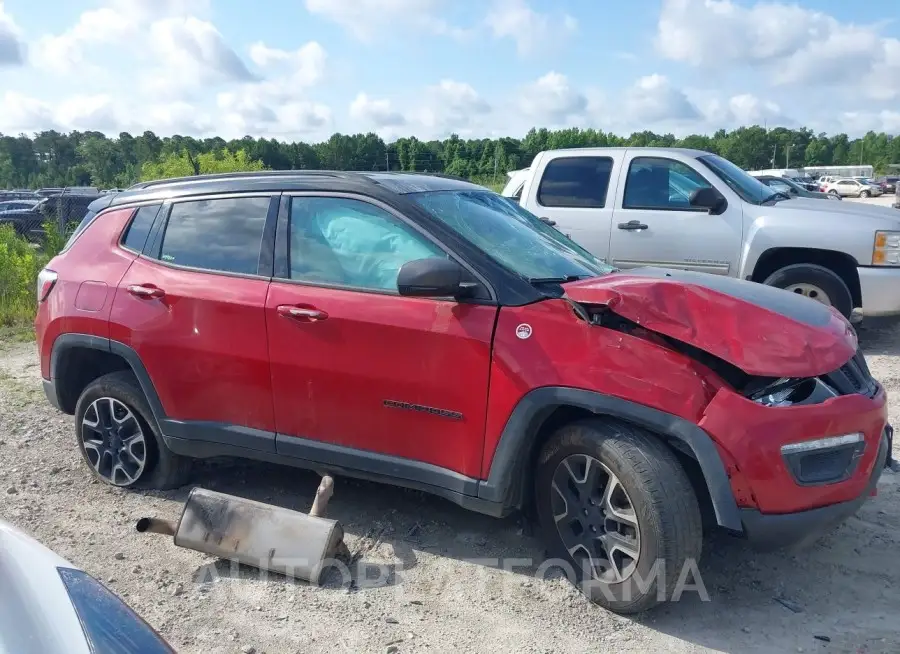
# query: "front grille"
[[852, 377]]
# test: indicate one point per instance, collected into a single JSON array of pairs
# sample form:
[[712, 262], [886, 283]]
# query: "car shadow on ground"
[[879, 336], [840, 591]]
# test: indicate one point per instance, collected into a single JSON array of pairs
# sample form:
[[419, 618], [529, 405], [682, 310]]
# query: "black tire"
[[808, 273], [663, 503], [163, 469], [833, 192]]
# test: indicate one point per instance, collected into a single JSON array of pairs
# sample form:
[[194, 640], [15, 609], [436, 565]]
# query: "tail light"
[[45, 282]]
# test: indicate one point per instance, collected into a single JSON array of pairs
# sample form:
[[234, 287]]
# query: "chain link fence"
[[30, 213]]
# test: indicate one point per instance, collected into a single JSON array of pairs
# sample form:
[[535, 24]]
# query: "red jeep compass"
[[426, 332]]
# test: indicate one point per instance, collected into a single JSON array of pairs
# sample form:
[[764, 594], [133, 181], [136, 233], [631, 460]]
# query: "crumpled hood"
[[760, 329]]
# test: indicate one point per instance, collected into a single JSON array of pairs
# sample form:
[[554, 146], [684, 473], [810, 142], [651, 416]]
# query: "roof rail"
[[237, 175]]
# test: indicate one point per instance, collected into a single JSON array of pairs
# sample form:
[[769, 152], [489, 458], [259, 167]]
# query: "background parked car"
[[7, 205], [888, 184], [848, 187], [794, 188], [48, 606]]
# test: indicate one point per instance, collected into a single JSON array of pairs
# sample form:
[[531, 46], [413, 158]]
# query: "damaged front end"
[[770, 349]]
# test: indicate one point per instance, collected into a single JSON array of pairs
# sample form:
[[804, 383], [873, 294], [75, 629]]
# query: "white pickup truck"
[[694, 210]]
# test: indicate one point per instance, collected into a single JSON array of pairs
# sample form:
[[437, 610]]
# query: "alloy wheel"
[[595, 518], [113, 441]]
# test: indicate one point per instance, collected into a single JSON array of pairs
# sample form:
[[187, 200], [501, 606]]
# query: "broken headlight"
[[789, 391]]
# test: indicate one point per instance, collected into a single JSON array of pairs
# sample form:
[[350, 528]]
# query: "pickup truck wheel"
[[114, 432], [618, 510], [815, 282]]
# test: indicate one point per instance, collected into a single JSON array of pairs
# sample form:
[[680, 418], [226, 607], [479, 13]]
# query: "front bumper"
[[796, 530], [880, 289]]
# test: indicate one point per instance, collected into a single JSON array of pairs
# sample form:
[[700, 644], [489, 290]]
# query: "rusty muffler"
[[257, 534]]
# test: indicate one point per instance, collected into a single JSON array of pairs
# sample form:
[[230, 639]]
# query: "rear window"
[[575, 182]]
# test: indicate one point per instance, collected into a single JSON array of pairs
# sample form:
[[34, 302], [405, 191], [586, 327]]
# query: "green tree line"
[[54, 159]]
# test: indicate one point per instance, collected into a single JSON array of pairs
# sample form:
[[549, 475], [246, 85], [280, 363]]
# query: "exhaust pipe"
[[157, 526], [257, 534]]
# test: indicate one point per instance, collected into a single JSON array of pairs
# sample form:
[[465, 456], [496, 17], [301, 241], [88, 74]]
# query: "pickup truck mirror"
[[708, 198]]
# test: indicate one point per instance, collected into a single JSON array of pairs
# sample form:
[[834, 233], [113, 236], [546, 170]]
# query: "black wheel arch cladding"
[[506, 480]]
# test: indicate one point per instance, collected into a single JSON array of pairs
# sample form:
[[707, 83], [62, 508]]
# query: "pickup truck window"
[[511, 235], [575, 182], [659, 183], [738, 180]]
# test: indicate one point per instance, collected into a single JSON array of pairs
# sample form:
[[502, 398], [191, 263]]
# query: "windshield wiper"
[[556, 280]]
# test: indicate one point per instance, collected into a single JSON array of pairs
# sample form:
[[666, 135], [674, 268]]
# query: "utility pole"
[[387, 161], [774, 153], [496, 163], [787, 157]]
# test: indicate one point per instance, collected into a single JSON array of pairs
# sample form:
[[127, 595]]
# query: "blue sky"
[[302, 69]]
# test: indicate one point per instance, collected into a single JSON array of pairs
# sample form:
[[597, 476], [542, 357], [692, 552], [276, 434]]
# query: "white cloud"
[[192, 52], [377, 112], [531, 30], [368, 20], [12, 48], [653, 99], [453, 107], [860, 122], [552, 101], [21, 113], [300, 68], [795, 45]]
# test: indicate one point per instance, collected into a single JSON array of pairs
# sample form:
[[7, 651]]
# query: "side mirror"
[[433, 277], [708, 198]]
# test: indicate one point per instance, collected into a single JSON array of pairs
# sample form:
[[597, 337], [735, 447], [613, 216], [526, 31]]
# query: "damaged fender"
[[759, 329]]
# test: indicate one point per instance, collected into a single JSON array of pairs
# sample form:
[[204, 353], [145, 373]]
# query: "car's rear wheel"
[[117, 438], [618, 510], [815, 282]]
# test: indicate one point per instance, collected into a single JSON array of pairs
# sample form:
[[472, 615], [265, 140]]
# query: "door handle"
[[550, 222], [145, 291], [303, 314], [633, 225]]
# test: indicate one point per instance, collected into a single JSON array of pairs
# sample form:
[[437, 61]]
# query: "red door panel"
[[400, 376], [203, 341]]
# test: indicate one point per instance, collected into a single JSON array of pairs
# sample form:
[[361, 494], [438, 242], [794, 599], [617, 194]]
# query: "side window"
[[351, 243], [780, 186], [656, 183], [517, 196], [222, 234], [575, 182], [139, 229]]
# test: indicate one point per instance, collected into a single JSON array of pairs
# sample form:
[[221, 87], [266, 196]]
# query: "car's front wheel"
[[617, 509], [863, 194], [114, 433]]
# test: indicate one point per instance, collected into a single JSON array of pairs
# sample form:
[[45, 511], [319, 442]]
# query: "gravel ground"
[[842, 595]]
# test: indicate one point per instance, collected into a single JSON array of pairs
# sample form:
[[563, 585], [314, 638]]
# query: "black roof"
[[292, 180]]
